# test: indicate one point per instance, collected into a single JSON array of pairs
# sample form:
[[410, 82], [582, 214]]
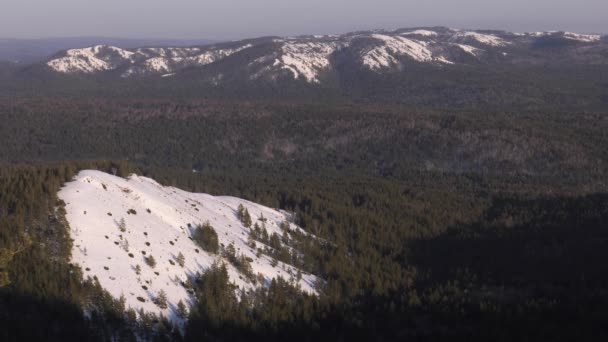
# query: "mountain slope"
[[309, 58], [117, 223], [26, 51]]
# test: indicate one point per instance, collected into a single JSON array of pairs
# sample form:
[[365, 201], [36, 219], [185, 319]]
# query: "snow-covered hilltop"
[[137, 61], [118, 224], [308, 58]]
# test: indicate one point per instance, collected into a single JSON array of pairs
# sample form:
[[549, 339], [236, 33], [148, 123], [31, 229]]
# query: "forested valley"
[[467, 223]]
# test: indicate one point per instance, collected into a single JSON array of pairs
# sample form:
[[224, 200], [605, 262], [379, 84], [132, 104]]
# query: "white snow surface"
[[425, 33], [306, 59], [587, 38], [486, 39], [157, 64], [89, 60], [153, 60], [211, 56], [102, 250], [383, 56], [539, 33], [469, 49]]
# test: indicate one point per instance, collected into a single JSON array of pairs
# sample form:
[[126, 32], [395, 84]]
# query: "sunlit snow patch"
[[159, 221]]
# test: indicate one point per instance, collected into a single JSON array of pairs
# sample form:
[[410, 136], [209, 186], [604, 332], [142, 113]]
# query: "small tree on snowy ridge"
[[181, 260], [122, 225], [150, 261], [206, 237], [244, 216], [161, 299]]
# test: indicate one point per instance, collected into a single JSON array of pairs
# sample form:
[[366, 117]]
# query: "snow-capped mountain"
[[117, 223], [309, 58]]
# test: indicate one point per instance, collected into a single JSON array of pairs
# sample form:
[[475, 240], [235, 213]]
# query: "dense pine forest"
[[470, 221]]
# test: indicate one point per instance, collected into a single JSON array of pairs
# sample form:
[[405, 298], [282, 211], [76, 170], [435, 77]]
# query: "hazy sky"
[[232, 19]]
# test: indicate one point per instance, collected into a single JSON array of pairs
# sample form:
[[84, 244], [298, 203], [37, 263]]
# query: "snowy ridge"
[[469, 49], [89, 60], [587, 38], [157, 64], [384, 55], [425, 33], [539, 33], [485, 39], [214, 55], [159, 222], [139, 61], [170, 59], [306, 59]]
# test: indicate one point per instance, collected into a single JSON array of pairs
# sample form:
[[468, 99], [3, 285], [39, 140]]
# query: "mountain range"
[[428, 66], [27, 51], [317, 59]]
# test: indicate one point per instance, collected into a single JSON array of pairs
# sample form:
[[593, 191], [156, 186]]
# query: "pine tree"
[[251, 242], [5, 258], [206, 237], [246, 219], [161, 299], [151, 261], [241, 212], [230, 253], [181, 260], [131, 316], [122, 225], [275, 241], [125, 245], [284, 226], [122, 304], [182, 311]]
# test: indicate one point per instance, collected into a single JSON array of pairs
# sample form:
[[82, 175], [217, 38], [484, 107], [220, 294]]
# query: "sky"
[[235, 19]]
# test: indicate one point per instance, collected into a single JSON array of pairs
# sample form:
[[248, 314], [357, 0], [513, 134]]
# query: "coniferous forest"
[[484, 220]]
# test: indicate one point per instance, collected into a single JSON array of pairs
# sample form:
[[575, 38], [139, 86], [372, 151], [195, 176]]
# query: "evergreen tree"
[[240, 212], [5, 258], [161, 299], [230, 253], [122, 225], [246, 219], [182, 311], [180, 259], [206, 237], [284, 226], [150, 261]]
